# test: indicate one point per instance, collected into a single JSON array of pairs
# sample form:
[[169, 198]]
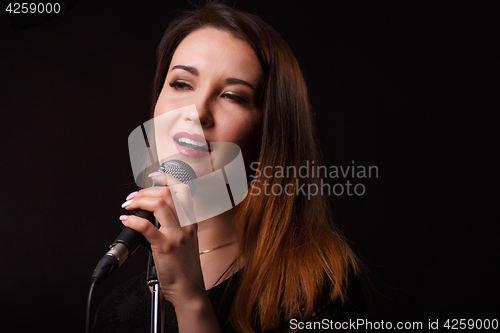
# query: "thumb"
[[183, 201]]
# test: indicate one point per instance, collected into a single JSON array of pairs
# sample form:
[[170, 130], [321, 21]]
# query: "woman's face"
[[221, 75]]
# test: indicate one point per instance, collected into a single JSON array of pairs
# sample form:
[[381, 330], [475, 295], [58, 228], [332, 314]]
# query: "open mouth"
[[191, 144]]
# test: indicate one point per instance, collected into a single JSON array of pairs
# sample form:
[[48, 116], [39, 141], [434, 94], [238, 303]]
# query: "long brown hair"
[[293, 250]]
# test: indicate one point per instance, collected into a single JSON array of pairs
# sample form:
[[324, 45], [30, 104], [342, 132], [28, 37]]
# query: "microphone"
[[129, 240]]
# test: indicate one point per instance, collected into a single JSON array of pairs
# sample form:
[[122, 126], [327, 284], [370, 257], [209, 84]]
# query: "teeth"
[[192, 142]]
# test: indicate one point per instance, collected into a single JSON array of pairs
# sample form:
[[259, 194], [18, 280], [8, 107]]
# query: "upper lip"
[[192, 136]]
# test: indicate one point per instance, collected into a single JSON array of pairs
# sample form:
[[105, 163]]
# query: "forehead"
[[217, 52]]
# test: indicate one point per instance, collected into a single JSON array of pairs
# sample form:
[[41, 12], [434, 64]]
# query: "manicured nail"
[[132, 195], [126, 203], [123, 217], [154, 174]]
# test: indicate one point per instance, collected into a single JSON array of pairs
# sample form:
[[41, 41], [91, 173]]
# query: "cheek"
[[166, 103], [247, 140], [240, 130]]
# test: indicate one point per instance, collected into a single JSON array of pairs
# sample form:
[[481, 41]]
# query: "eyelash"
[[235, 98], [180, 85], [232, 97]]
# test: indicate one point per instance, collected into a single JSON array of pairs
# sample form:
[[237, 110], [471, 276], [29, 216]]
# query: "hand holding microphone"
[[177, 174], [174, 248]]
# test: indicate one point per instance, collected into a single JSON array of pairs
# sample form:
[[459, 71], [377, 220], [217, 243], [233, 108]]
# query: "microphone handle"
[[123, 247]]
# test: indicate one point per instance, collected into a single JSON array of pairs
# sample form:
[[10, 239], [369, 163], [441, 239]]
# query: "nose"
[[202, 113]]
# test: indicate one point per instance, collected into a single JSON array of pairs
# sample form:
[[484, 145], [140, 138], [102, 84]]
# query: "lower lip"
[[190, 152]]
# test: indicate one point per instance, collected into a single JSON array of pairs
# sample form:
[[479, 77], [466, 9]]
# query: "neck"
[[214, 232], [217, 231]]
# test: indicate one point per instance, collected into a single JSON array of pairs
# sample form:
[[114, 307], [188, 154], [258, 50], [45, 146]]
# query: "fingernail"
[[132, 195], [154, 174], [123, 217], [126, 203]]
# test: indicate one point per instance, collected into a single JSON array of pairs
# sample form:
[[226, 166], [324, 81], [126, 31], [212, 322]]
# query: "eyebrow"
[[189, 69], [195, 72], [232, 80]]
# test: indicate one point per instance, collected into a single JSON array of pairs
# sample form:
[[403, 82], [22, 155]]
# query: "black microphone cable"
[[89, 305]]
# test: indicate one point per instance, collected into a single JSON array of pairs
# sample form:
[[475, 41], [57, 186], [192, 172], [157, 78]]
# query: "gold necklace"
[[218, 247]]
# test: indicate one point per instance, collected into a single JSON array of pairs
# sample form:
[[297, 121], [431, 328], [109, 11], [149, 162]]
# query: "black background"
[[404, 86]]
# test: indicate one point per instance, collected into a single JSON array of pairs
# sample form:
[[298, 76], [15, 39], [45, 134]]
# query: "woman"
[[275, 259]]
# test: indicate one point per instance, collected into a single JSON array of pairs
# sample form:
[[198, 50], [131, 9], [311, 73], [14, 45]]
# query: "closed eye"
[[235, 98], [180, 85]]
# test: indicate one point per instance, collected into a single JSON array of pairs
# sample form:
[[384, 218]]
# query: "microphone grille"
[[180, 170]]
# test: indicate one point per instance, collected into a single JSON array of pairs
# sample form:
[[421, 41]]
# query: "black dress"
[[128, 309]]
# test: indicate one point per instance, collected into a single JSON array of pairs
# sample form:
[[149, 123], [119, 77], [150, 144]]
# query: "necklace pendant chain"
[[218, 247]]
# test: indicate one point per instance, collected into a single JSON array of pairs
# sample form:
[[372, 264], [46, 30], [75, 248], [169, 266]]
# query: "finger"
[[163, 178], [152, 193], [155, 192], [177, 197], [161, 243], [181, 195], [161, 205], [143, 226]]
